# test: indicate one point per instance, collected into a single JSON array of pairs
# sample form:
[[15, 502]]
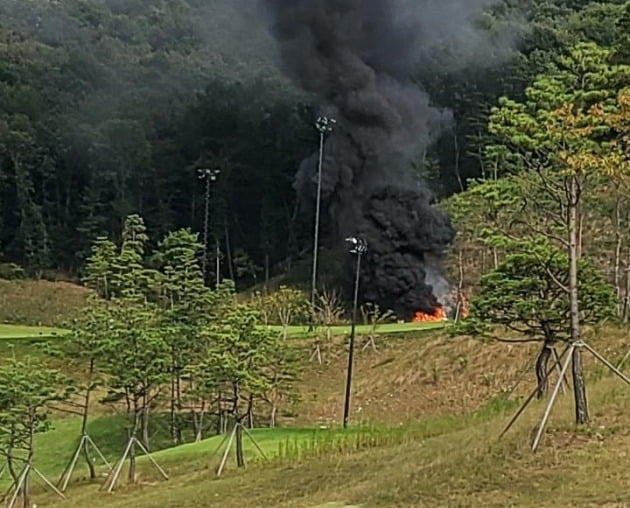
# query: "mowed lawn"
[[294, 332], [29, 332], [302, 331]]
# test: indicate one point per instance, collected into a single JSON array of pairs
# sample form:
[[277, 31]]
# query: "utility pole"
[[323, 125], [359, 247], [209, 175]]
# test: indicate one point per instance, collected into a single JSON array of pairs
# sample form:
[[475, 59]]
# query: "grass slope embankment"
[[440, 401], [40, 303], [464, 465]]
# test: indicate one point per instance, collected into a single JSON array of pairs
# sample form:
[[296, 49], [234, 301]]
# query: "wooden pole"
[[116, 474], [227, 451], [554, 395], [607, 363]]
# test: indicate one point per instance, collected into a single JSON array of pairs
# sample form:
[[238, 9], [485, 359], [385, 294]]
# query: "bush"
[[11, 271]]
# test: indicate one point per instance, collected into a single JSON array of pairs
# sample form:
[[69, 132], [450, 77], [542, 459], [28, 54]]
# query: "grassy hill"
[[427, 410], [39, 303], [460, 464]]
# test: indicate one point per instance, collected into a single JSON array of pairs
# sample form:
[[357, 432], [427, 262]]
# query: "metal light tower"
[[209, 175], [359, 247], [324, 125]]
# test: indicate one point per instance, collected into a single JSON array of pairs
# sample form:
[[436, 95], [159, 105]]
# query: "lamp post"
[[324, 125], [209, 175], [359, 247]]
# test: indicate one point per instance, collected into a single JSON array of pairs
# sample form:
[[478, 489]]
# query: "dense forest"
[[109, 108]]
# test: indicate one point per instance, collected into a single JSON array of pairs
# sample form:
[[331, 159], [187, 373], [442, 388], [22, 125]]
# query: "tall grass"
[[324, 443]]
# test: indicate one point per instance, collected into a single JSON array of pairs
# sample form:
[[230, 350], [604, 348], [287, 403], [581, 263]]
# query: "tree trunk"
[[541, 370], [132, 449], [266, 273], [457, 161], [173, 417], [579, 387], [145, 421], [240, 459], [145, 428], [84, 422], [495, 258], [219, 413], [617, 259], [178, 406], [250, 412], [26, 487], [14, 474], [228, 248], [272, 418], [198, 422]]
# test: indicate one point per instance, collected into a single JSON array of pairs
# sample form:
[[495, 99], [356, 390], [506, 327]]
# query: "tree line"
[[109, 108]]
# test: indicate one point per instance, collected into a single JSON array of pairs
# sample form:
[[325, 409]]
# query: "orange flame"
[[438, 315]]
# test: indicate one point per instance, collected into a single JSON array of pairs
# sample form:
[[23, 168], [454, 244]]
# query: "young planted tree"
[[130, 278], [281, 373], [99, 267], [327, 312], [136, 362], [555, 137], [289, 305], [185, 301], [373, 317], [27, 391], [84, 347], [241, 354], [523, 296], [264, 304]]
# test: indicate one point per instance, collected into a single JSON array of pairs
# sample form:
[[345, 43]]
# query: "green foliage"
[[11, 271], [532, 130], [241, 350], [528, 294], [286, 306], [27, 391], [99, 268]]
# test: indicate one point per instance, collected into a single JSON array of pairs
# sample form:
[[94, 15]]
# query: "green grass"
[[29, 332], [301, 331], [295, 332], [452, 462], [286, 447]]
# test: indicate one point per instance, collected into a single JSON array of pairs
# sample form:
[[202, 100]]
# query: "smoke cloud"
[[356, 57]]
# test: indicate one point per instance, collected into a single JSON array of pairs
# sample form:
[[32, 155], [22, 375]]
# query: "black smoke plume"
[[356, 57]]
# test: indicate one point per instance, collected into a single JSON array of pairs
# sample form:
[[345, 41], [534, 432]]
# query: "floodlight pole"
[[323, 125], [209, 175], [359, 248]]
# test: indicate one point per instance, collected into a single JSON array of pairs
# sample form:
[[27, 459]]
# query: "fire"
[[438, 315]]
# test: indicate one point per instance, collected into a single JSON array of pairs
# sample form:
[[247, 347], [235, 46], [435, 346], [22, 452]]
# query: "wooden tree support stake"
[[317, 353], [561, 380], [84, 444], [18, 487], [112, 478], [232, 435]]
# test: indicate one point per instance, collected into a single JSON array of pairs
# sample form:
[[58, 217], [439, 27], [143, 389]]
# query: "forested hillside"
[[109, 107]]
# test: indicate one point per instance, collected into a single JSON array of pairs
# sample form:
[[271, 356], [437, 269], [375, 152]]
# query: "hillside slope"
[[444, 402], [40, 303], [468, 467]]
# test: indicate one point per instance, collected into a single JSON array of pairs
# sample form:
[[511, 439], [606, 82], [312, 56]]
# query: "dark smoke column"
[[356, 56]]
